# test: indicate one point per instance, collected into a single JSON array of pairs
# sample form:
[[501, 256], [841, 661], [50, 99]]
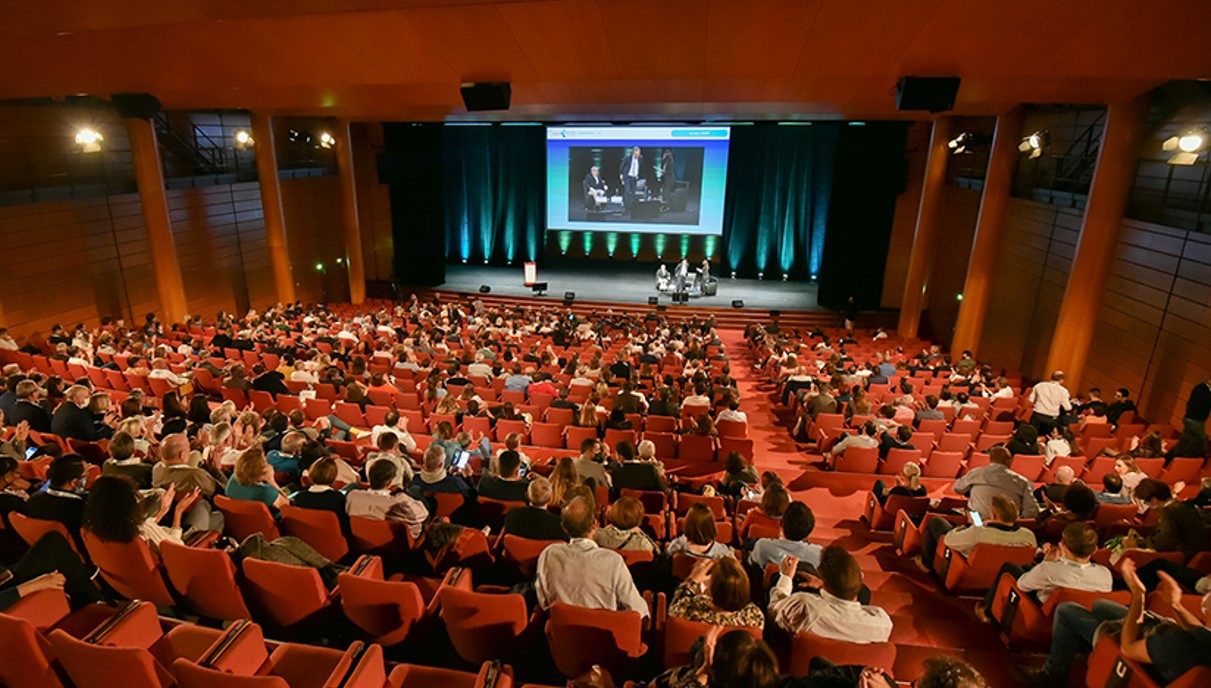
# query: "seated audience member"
[[625, 516], [1131, 475], [397, 425], [591, 462], [1066, 565], [27, 407], [388, 450], [864, 438], [49, 564], [1122, 403], [1168, 649], [512, 443], [1203, 498], [717, 592], [115, 512], [73, 420], [435, 478], [633, 472], [797, 524], [617, 420], [1112, 490], [253, 481], [285, 460], [908, 484], [1025, 440], [897, 438], [13, 488], [63, 501], [930, 412], [999, 529], [1051, 494], [320, 495], [1180, 528], [1078, 504], [732, 412], [534, 521], [738, 474], [174, 469], [981, 485], [835, 612], [508, 486], [122, 461], [381, 504], [1061, 442], [698, 536], [582, 574], [729, 659], [774, 501]]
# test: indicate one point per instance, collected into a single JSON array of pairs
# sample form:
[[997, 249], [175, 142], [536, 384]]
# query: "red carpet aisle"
[[927, 621]]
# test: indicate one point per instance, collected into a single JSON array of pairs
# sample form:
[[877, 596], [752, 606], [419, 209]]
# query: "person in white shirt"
[[1066, 565], [835, 612], [7, 343], [732, 412], [698, 398], [867, 437], [160, 370], [1050, 399], [1003, 390], [388, 450], [381, 504], [396, 425], [582, 574], [479, 368], [999, 529]]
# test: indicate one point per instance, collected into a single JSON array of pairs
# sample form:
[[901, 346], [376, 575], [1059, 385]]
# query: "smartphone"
[[521, 470], [462, 460], [29, 453], [976, 518]]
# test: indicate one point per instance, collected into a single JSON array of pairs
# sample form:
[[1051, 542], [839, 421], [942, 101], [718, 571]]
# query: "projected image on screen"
[[635, 184], [637, 179]]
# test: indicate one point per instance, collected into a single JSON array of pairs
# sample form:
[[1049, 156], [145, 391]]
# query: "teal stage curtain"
[[779, 186], [494, 192]]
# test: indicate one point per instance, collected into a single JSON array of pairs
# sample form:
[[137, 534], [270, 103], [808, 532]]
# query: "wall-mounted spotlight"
[[243, 139], [89, 140], [1035, 143], [1186, 147], [963, 143], [326, 140], [298, 136]]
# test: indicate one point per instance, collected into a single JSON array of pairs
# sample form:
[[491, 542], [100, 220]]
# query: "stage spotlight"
[[1035, 143], [959, 296], [760, 275], [963, 143], [298, 136], [89, 140], [243, 139], [733, 274], [326, 140], [464, 261], [1187, 147], [319, 267], [340, 261], [815, 277], [785, 277]]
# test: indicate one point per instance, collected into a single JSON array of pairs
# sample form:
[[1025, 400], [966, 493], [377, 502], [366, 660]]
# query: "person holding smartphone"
[[1001, 529]]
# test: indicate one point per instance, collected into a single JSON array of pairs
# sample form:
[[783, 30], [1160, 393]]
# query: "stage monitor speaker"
[[489, 95], [569, 297], [136, 105], [737, 303], [775, 313], [931, 93], [538, 287], [653, 300], [681, 297], [484, 289]]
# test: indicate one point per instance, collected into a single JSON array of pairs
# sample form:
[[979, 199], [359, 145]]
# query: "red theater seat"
[[245, 518], [583, 638], [859, 460], [285, 595], [483, 626], [319, 528], [681, 634], [977, 572], [1025, 622], [206, 578], [807, 646], [130, 569], [883, 516]]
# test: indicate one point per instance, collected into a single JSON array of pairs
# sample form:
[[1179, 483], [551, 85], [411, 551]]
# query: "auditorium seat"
[[129, 568], [206, 578], [679, 635], [732, 428], [1029, 466], [807, 646], [284, 596], [385, 610], [882, 516], [666, 443], [696, 448], [522, 553], [942, 464], [559, 416], [742, 445], [977, 572], [32, 529], [485, 626], [1097, 469], [244, 518], [240, 658], [858, 460], [1108, 667], [1024, 622], [319, 528], [1076, 463], [574, 435], [491, 675], [660, 424], [935, 427], [685, 500], [35, 669], [582, 638], [1187, 470], [896, 458]]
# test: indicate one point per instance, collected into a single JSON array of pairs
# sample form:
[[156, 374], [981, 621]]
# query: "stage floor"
[[627, 283]]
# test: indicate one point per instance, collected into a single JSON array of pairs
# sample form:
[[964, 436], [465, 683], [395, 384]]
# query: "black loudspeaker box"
[[737, 303], [484, 289], [653, 300], [136, 105], [930, 93], [489, 95]]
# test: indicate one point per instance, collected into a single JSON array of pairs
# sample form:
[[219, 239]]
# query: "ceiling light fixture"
[[1035, 143], [1187, 147], [89, 140]]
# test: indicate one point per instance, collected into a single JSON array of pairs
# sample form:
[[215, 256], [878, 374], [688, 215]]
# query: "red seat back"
[[524, 553], [481, 625], [581, 638], [386, 610], [319, 528], [207, 578], [286, 595], [372, 536], [34, 668], [244, 518], [32, 529], [859, 460], [681, 634], [130, 569], [1029, 466], [806, 646], [696, 448]]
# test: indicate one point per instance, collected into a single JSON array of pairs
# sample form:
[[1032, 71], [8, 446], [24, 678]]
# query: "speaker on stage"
[[653, 300], [775, 313], [484, 289], [737, 303], [569, 297]]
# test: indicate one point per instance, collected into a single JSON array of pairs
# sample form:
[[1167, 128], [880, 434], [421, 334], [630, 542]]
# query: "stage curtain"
[[779, 186], [495, 179]]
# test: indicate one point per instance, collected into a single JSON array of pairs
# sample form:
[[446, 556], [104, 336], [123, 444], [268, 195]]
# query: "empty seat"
[[482, 626], [130, 569], [244, 518], [206, 578], [583, 638], [319, 528], [858, 460], [285, 595]]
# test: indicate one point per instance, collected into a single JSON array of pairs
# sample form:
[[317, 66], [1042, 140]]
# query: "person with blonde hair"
[[563, 479], [534, 521], [908, 484], [253, 481]]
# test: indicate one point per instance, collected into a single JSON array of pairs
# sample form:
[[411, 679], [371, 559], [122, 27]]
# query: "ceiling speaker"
[[489, 95], [930, 93], [136, 105]]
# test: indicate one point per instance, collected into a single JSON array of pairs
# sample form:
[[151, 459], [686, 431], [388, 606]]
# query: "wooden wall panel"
[[1153, 334], [904, 222], [1036, 255], [312, 208], [373, 203], [960, 209]]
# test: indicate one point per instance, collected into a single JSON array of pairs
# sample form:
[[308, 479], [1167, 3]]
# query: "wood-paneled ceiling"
[[670, 59]]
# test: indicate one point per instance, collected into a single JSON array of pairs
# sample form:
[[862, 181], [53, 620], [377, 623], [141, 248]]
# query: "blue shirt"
[[283, 463], [261, 492], [774, 550], [517, 383], [887, 369]]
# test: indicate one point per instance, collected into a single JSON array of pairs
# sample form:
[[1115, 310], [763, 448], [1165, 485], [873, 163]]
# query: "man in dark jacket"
[[535, 522], [507, 487], [73, 419], [28, 409]]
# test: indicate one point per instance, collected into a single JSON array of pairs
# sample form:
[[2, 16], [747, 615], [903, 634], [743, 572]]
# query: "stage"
[[629, 283]]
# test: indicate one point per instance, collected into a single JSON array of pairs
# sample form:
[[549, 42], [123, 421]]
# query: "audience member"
[[717, 593], [797, 524], [698, 535], [582, 574], [534, 521], [985, 483], [623, 529], [834, 612]]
